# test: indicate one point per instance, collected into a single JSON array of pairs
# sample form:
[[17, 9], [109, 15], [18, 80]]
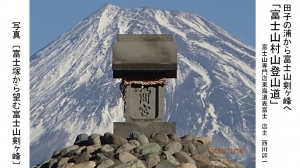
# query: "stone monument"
[[144, 62]]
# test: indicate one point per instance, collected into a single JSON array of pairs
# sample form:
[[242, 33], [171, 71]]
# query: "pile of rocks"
[[157, 151]]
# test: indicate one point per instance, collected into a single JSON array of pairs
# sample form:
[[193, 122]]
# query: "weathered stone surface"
[[200, 158], [224, 161], [53, 163], [188, 138], [107, 148], [63, 161], [186, 165], [68, 149], [238, 165], [183, 157], [123, 165], [83, 157], [94, 139], [153, 135], [174, 137], [173, 147], [66, 165], [92, 148], [79, 150], [100, 157], [161, 138], [81, 140], [89, 164], [134, 142], [125, 148], [198, 164], [218, 164], [205, 141], [148, 148], [44, 164], [152, 159], [165, 164], [189, 147], [144, 52], [114, 139], [170, 158], [202, 149], [57, 152], [106, 164], [137, 164], [147, 127], [134, 135], [142, 139], [125, 157]]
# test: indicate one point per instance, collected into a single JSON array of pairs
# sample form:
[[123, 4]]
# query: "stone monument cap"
[[142, 55]]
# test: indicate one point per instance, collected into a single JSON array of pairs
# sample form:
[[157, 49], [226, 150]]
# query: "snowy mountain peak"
[[73, 92]]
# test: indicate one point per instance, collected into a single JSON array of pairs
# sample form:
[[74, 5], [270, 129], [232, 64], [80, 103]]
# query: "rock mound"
[[157, 151]]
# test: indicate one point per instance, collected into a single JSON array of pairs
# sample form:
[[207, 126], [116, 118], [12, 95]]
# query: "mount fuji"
[[72, 90]]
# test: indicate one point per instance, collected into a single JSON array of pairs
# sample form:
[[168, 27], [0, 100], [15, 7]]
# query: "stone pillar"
[[143, 62]]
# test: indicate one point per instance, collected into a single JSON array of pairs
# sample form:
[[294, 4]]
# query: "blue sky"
[[50, 19]]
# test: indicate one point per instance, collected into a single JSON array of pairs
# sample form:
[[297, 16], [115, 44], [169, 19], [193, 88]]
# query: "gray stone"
[[161, 139], [53, 163], [189, 147], [137, 164], [173, 147], [57, 152], [79, 150], [145, 127], [183, 157], [44, 164], [170, 158], [188, 138], [94, 139], [123, 165], [114, 139], [186, 165], [63, 161], [174, 137], [134, 142], [100, 157], [218, 164], [142, 139], [67, 165], [125, 157], [125, 148], [224, 161], [134, 135], [107, 148], [144, 103], [165, 164], [153, 135], [81, 140], [152, 159], [148, 148], [68, 149], [238, 165], [88, 164], [92, 148], [201, 159], [83, 157], [205, 141], [202, 149], [106, 164]]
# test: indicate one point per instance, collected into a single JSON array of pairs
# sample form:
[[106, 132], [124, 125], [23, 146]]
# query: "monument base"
[[147, 128]]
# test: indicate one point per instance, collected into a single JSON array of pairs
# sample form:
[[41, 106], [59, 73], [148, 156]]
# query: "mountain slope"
[[72, 89]]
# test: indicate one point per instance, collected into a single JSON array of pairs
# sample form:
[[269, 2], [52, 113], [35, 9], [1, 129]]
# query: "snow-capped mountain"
[[73, 92]]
